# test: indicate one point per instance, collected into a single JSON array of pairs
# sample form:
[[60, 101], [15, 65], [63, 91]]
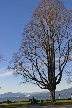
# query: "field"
[[28, 104]]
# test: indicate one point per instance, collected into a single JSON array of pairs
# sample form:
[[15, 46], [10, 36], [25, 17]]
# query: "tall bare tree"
[[1, 57], [69, 76], [46, 46]]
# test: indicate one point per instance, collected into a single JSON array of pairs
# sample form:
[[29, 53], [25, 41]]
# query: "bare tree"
[[69, 76], [46, 46], [1, 57]]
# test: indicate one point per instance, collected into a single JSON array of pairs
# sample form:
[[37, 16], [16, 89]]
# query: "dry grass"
[[45, 103]]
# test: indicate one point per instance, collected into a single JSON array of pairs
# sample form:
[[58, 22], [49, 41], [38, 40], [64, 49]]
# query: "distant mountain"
[[69, 90], [10, 94], [66, 93], [63, 93]]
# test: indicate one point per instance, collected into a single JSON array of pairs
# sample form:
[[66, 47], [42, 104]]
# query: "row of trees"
[[46, 47]]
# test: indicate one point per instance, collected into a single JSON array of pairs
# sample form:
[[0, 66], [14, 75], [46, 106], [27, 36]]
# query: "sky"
[[14, 15]]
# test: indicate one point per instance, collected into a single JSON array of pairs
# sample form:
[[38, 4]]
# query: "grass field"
[[45, 103]]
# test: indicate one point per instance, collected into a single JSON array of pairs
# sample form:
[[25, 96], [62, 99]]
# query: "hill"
[[63, 93]]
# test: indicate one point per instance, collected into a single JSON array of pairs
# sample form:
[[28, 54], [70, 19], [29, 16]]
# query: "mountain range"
[[64, 92]]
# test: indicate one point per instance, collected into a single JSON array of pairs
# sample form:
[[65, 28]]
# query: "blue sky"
[[14, 15]]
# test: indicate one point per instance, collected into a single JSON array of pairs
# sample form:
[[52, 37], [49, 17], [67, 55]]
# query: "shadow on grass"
[[16, 105]]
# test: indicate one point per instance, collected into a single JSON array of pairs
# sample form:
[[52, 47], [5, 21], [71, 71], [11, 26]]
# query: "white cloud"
[[6, 74]]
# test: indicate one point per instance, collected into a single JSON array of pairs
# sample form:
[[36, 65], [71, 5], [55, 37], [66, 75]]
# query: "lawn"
[[45, 103]]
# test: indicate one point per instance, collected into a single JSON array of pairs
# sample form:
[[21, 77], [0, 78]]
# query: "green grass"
[[14, 105], [19, 104]]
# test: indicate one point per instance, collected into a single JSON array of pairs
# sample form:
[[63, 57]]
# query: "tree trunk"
[[52, 92]]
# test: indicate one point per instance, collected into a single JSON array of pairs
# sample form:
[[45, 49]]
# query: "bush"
[[69, 98], [8, 101]]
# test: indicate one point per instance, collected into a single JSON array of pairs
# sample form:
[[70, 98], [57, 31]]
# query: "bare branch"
[[46, 47]]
